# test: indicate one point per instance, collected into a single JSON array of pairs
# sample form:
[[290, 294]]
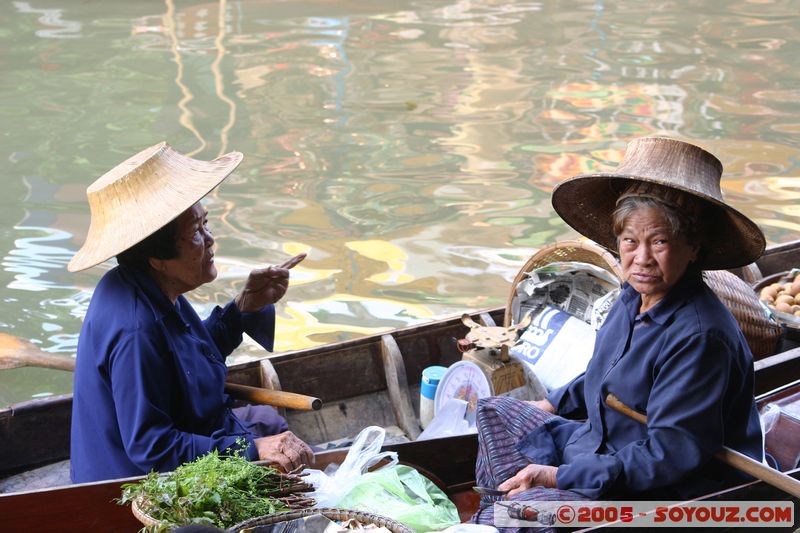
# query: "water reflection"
[[58, 28], [33, 259], [409, 148]]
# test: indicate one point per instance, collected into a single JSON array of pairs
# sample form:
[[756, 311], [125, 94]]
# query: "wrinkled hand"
[[285, 451], [266, 286], [544, 405], [532, 475]]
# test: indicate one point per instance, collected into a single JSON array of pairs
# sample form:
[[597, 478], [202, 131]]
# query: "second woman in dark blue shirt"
[[669, 347]]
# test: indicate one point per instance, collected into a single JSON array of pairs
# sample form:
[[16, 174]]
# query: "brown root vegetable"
[[785, 299], [769, 293]]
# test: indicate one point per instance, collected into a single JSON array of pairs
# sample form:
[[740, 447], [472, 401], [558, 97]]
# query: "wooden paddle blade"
[[16, 353], [9, 347]]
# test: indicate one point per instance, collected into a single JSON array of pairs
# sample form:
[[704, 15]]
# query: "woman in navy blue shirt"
[[150, 374], [668, 348]]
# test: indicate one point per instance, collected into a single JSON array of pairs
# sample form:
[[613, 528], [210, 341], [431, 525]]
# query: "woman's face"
[[194, 264], [652, 259]]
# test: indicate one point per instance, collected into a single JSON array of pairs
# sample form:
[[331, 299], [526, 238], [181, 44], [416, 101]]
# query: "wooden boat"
[[373, 380], [450, 462]]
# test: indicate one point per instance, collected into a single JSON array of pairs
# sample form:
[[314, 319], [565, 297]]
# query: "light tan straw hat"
[[141, 195], [668, 169]]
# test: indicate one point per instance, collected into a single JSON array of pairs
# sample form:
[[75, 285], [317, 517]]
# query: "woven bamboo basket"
[[761, 333], [142, 516], [333, 514], [582, 251]]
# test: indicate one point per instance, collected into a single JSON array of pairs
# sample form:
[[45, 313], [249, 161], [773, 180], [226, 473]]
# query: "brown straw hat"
[[666, 167], [141, 195]]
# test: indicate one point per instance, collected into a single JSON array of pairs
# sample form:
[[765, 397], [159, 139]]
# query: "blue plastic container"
[[431, 377]]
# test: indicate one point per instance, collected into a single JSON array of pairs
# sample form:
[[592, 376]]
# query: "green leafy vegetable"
[[218, 490]]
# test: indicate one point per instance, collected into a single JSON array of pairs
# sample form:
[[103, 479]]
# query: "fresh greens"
[[217, 490]]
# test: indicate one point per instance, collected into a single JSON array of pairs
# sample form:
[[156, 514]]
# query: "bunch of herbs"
[[217, 490]]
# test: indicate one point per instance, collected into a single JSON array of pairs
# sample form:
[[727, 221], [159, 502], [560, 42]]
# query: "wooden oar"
[[278, 398], [15, 353], [727, 455]]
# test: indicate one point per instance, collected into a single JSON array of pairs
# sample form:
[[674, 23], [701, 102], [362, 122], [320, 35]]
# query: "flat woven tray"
[[334, 514]]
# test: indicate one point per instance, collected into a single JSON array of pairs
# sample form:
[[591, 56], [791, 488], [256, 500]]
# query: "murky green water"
[[409, 147]]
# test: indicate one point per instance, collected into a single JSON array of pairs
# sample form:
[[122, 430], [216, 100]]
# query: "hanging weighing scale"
[[463, 380]]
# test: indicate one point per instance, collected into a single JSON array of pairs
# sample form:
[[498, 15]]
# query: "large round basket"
[[581, 251], [334, 514]]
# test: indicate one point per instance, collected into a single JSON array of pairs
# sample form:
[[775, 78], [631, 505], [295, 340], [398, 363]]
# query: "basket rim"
[[602, 252], [391, 524], [329, 512], [141, 515]]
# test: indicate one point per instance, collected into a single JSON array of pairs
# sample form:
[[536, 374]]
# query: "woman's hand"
[[266, 286], [285, 451], [544, 405], [532, 475]]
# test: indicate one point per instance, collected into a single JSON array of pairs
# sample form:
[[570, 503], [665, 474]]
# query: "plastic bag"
[[451, 420], [402, 493], [332, 484]]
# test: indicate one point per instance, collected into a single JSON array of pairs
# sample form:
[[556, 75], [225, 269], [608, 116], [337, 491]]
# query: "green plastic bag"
[[402, 493]]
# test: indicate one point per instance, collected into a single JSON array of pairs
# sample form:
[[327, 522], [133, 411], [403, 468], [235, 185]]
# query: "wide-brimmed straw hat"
[[141, 195], [667, 167]]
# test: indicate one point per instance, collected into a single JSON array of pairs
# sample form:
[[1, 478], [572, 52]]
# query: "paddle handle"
[[48, 360], [278, 398], [15, 353], [617, 405], [727, 455], [758, 470]]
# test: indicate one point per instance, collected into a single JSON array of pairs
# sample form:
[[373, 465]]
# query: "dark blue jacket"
[[149, 379], [686, 365]]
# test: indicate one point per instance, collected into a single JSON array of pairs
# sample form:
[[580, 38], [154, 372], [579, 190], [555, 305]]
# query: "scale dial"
[[464, 380]]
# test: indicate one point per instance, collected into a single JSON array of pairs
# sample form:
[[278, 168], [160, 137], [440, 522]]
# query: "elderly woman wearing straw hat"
[[150, 373], [669, 348]]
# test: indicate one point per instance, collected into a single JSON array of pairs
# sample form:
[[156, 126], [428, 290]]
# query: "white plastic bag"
[[451, 420], [335, 482]]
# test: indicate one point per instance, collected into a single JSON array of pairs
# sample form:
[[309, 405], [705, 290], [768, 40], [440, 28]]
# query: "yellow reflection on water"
[[300, 327], [394, 256], [786, 188]]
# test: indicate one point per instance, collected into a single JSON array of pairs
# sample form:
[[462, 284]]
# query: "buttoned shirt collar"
[[663, 310], [161, 306]]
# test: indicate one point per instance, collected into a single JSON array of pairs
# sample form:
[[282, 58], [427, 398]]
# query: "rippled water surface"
[[409, 147]]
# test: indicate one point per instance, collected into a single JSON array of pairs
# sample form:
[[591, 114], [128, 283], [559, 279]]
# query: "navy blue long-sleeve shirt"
[[149, 379], [686, 365]]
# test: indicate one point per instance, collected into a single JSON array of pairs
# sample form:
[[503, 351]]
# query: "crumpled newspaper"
[[583, 290]]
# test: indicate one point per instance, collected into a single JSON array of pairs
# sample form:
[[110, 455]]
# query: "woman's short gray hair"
[[680, 223]]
